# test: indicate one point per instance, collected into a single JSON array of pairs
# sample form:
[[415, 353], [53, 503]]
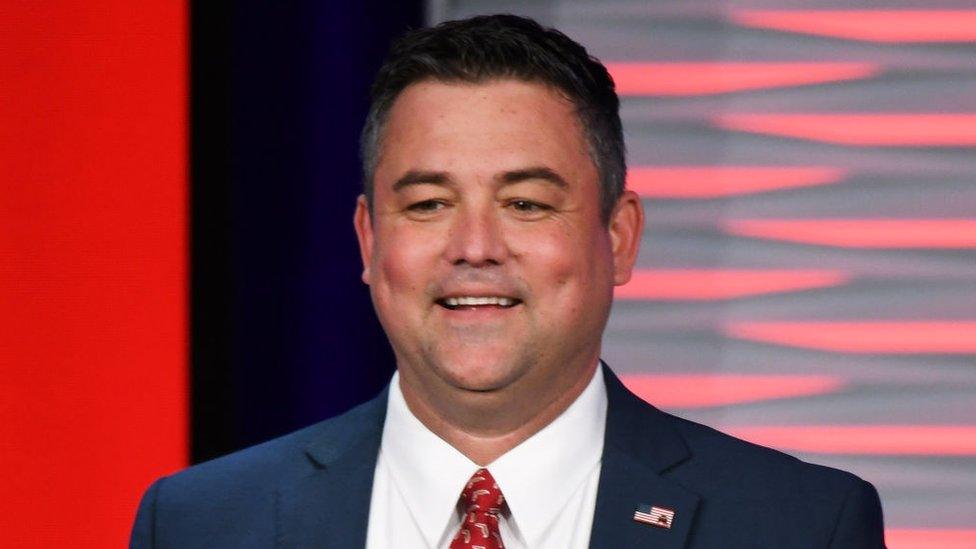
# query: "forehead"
[[481, 128]]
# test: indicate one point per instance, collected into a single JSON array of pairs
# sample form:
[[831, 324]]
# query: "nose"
[[476, 237]]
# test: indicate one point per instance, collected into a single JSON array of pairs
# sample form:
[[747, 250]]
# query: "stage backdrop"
[[807, 281], [152, 151], [283, 331], [93, 246], [808, 273]]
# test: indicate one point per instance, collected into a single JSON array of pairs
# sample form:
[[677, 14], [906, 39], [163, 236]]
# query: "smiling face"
[[488, 264]]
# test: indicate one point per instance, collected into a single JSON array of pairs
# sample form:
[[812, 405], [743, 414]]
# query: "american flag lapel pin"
[[662, 517]]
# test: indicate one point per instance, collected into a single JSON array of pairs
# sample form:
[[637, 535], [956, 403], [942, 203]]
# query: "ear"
[[626, 228], [364, 233]]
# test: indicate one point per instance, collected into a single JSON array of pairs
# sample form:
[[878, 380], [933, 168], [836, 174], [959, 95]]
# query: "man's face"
[[486, 257]]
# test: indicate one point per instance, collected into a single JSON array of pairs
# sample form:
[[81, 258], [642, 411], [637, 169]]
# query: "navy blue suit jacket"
[[312, 488]]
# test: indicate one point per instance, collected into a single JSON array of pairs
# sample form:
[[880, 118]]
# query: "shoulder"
[[237, 492], [741, 482], [747, 495], [246, 469], [282, 457], [228, 499], [737, 466], [708, 461]]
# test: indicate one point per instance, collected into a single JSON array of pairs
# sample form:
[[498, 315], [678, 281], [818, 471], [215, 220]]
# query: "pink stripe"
[[706, 285], [907, 337], [887, 26], [702, 182], [704, 390], [924, 538], [882, 129], [704, 78], [862, 233], [923, 440]]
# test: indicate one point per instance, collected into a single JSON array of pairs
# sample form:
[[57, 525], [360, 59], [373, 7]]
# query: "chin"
[[476, 371]]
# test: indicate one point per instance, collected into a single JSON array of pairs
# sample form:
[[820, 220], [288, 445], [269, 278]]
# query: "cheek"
[[572, 271], [555, 263], [395, 274], [403, 264]]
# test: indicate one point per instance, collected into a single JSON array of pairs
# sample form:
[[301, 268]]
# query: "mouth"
[[455, 303]]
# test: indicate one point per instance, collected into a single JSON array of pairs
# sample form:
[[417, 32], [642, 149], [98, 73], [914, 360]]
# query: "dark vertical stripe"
[[213, 430], [283, 330]]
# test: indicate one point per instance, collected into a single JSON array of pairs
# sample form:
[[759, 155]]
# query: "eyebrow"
[[422, 177], [537, 172], [419, 177]]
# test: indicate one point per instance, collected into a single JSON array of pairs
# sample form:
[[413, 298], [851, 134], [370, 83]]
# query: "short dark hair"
[[489, 47]]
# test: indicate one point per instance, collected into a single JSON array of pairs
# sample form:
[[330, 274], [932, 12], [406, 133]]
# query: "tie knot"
[[482, 495]]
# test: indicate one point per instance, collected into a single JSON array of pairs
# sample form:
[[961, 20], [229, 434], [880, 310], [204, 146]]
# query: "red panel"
[[702, 285], [719, 181], [699, 391], [891, 26], [677, 79], [909, 337], [862, 233], [923, 440], [925, 538], [93, 390], [896, 130]]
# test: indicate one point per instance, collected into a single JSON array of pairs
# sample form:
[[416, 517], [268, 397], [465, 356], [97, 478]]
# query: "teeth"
[[476, 301]]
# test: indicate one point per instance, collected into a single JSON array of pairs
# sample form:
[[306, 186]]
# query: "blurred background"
[[179, 276]]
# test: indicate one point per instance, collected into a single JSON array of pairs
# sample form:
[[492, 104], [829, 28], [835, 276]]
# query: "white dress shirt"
[[549, 480]]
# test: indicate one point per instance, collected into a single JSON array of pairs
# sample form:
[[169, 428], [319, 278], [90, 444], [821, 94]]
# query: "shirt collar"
[[541, 474], [429, 472], [545, 468]]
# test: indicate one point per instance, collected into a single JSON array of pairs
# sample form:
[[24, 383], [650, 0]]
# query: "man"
[[493, 228]]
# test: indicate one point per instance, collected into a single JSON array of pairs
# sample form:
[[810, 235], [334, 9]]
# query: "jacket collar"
[[640, 446], [328, 506]]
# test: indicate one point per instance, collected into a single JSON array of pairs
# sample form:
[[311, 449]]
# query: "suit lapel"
[[329, 505], [640, 445]]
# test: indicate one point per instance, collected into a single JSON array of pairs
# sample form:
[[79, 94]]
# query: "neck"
[[484, 426]]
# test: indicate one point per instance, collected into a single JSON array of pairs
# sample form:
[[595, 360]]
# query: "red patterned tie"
[[483, 502]]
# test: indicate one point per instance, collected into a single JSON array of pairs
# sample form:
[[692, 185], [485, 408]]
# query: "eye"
[[426, 206], [529, 207]]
